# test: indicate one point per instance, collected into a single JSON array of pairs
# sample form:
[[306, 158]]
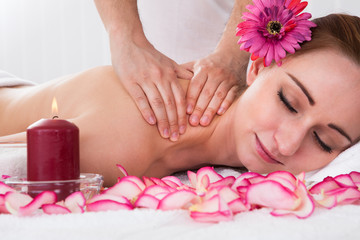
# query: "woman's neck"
[[211, 145]]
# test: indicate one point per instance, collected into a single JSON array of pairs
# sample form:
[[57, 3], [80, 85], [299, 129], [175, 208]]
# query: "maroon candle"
[[53, 154]]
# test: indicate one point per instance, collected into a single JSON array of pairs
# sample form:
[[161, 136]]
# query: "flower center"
[[273, 27]]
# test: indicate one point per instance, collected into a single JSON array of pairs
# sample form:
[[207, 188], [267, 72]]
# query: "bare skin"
[[285, 120], [90, 108]]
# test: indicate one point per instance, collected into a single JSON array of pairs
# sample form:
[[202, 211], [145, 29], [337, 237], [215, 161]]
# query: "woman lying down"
[[295, 117]]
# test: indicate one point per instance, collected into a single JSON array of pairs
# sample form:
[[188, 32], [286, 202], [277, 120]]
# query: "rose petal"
[[55, 209], [344, 180], [75, 202], [122, 169], [23, 205], [326, 185], [172, 181], [106, 205], [125, 188], [147, 201], [5, 188], [271, 194], [119, 199], [176, 200], [305, 208], [214, 209]]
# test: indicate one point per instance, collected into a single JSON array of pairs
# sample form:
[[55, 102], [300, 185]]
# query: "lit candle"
[[53, 152]]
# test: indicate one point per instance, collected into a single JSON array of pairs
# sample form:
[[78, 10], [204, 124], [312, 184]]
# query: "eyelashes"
[[287, 104], [325, 147], [284, 100]]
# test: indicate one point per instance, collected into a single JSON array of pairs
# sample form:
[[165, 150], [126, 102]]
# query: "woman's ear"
[[254, 70]]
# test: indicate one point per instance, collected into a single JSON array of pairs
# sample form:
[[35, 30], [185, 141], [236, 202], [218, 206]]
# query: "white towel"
[[347, 161], [9, 80]]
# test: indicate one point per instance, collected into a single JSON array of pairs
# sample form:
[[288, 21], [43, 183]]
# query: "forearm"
[[121, 20], [228, 42]]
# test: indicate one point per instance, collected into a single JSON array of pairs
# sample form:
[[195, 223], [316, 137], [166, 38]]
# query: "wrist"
[[128, 35]]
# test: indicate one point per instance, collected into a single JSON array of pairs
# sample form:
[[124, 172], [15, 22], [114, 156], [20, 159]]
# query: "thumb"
[[185, 70]]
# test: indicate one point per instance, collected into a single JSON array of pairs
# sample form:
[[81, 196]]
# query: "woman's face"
[[300, 116]]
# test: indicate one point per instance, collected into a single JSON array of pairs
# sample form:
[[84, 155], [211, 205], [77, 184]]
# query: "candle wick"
[[55, 117]]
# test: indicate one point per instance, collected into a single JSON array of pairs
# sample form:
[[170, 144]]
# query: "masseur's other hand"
[[151, 79], [212, 89]]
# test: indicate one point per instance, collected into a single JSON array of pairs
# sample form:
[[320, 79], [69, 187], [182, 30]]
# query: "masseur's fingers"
[[157, 104], [171, 112], [193, 92], [211, 90], [212, 105], [179, 95], [142, 103], [229, 99], [218, 102]]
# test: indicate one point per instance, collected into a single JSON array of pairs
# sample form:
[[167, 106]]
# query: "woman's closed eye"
[[288, 105], [285, 101], [323, 146]]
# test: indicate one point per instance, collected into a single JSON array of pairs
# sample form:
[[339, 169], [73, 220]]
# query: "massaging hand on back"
[[151, 78]]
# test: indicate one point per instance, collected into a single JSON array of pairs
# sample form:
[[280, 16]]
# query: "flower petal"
[[5, 188], [271, 194], [147, 201], [106, 205], [176, 200], [55, 209], [76, 202]]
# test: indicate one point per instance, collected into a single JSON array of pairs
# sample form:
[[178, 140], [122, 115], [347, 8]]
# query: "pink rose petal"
[[75, 202], [147, 201], [176, 200], [211, 210], [106, 205], [5, 188], [126, 188], [326, 185], [123, 170], [271, 194], [237, 206], [15, 200], [355, 176], [148, 182], [55, 209], [344, 180], [114, 198], [23, 205], [2, 204], [304, 209], [172, 181], [210, 172], [158, 191]]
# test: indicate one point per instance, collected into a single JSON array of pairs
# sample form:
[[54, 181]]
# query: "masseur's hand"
[[213, 88], [151, 79]]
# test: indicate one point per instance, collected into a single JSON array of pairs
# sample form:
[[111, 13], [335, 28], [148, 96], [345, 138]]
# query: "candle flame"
[[54, 107]]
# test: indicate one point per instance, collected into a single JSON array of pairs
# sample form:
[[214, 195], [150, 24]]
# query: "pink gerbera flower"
[[273, 27]]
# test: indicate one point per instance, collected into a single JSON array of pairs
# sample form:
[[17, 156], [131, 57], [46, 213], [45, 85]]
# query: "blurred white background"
[[44, 39]]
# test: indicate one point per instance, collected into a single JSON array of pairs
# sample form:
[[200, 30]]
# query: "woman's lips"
[[264, 153]]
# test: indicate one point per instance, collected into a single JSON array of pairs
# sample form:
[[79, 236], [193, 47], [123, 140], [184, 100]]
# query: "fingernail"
[[151, 120], [166, 133], [182, 129], [194, 120], [204, 120], [174, 136], [221, 110], [189, 109]]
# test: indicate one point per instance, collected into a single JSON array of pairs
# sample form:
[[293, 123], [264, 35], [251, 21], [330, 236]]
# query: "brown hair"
[[336, 31]]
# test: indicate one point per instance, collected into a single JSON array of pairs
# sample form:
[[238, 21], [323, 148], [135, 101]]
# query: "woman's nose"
[[289, 136]]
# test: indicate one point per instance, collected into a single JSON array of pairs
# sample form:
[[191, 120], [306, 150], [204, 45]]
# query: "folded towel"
[[347, 161], [10, 80]]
